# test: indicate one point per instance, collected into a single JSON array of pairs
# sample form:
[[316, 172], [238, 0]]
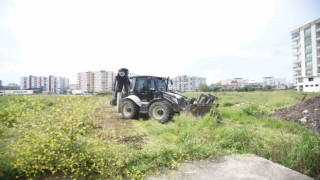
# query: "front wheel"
[[161, 111], [129, 110]]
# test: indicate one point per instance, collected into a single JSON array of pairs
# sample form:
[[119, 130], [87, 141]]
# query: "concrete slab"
[[239, 167]]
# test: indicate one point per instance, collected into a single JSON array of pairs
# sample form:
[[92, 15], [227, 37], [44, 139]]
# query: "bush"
[[55, 141], [267, 87], [203, 88], [226, 104], [104, 93], [254, 110]]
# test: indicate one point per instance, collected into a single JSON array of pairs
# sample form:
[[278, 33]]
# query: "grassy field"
[[84, 137]]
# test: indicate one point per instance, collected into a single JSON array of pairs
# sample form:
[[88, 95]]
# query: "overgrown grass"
[[89, 144]]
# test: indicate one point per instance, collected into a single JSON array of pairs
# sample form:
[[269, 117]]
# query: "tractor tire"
[[161, 111], [129, 110]]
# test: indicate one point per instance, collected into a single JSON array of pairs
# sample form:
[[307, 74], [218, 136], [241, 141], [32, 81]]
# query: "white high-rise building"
[[306, 56], [95, 81], [187, 84], [61, 85], [278, 83], [51, 84], [24, 83]]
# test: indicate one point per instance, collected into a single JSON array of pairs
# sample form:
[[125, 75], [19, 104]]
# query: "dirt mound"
[[306, 113]]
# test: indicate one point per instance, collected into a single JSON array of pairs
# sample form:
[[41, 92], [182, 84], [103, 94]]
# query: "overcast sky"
[[216, 39]]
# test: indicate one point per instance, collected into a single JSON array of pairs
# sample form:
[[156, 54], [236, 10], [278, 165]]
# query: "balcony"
[[297, 68], [318, 28], [297, 75], [297, 61], [296, 38], [296, 53], [318, 39], [297, 45]]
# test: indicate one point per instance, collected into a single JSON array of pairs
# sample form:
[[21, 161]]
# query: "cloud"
[[148, 37], [211, 75], [9, 67]]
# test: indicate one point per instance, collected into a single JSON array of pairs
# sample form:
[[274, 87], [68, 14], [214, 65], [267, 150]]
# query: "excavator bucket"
[[204, 105]]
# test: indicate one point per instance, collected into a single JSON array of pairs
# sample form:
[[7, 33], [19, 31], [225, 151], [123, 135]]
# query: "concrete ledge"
[[242, 167]]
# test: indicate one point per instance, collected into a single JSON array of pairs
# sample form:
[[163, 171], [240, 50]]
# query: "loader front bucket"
[[204, 106], [197, 110]]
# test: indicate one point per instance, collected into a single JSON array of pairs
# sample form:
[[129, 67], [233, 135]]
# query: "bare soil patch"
[[119, 129], [306, 113]]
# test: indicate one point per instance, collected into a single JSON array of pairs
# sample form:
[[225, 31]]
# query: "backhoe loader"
[[149, 95]]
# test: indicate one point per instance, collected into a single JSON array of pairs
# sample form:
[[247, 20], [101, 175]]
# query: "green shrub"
[[104, 93], [254, 110], [226, 104]]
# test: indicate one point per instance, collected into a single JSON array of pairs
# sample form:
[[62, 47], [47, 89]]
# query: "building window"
[[295, 35], [308, 56], [317, 85], [307, 32], [311, 85], [310, 79], [309, 72], [307, 40], [307, 85], [308, 48], [309, 64]]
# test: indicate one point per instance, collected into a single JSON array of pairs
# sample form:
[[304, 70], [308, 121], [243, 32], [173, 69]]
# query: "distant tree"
[[267, 87], [214, 87], [203, 88], [246, 88], [10, 88]]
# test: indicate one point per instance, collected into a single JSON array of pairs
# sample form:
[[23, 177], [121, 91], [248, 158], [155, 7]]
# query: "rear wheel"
[[161, 111], [129, 110]]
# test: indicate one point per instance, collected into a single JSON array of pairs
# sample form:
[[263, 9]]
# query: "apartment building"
[[61, 85], [95, 81], [306, 57], [13, 85], [231, 82], [188, 84], [51, 84], [277, 83], [255, 84]]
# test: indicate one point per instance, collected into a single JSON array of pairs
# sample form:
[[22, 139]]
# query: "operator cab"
[[147, 88]]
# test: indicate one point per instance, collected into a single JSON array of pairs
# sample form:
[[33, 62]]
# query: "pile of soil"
[[306, 113]]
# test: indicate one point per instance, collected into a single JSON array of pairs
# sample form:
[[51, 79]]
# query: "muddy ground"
[[306, 113]]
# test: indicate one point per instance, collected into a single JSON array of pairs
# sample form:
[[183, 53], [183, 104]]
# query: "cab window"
[[141, 85], [158, 84]]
